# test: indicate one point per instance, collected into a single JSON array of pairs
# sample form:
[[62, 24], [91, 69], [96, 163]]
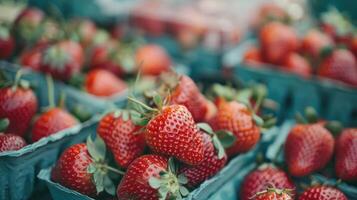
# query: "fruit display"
[[80, 53], [192, 100], [326, 51]]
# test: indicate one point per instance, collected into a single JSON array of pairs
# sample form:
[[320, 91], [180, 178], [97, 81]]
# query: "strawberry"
[[340, 65], [63, 59], [277, 41], [171, 130], [7, 43], [253, 56], [51, 122], [297, 64], [84, 29], [212, 163], [152, 60], [122, 137], [168, 131], [322, 193], [185, 92], [31, 58], [82, 168], [346, 155], [109, 57], [27, 26], [314, 42], [262, 178], [272, 194], [18, 104], [11, 142], [151, 177], [308, 148], [103, 83], [237, 118]]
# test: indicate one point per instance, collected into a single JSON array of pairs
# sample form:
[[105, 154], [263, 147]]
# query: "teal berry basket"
[[205, 191], [230, 190], [18, 169], [331, 99], [274, 152], [39, 80]]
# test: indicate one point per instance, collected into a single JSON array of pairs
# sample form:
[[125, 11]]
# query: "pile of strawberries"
[[328, 51], [79, 52], [19, 120], [309, 148], [164, 147]]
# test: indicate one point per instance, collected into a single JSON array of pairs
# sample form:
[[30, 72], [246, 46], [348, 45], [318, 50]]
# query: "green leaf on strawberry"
[[97, 148]]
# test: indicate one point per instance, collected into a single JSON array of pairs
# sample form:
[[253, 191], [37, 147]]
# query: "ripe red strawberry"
[[151, 177], [210, 166], [152, 60], [11, 142], [238, 119], [27, 26], [7, 43], [346, 155], [314, 42], [17, 104], [262, 178], [103, 83], [308, 148], [122, 137], [253, 56], [32, 58], [109, 57], [272, 194], [172, 131], [277, 41], [51, 122], [322, 193], [63, 59], [211, 111], [297, 64], [340, 65], [71, 170], [185, 92], [82, 168]]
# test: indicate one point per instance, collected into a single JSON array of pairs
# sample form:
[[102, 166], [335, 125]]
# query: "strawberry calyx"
[[20, 82], [4, 123], [99, 167], [221, 139], [338, 21], [4, 32], [56, 57], [272, 189], [168, 184], [335, 127], [145, 113]]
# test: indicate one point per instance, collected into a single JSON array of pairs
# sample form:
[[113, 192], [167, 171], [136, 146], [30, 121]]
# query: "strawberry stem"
[[17, 79], [113, 170], [50, 90], [62, 100], [142, 104]]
